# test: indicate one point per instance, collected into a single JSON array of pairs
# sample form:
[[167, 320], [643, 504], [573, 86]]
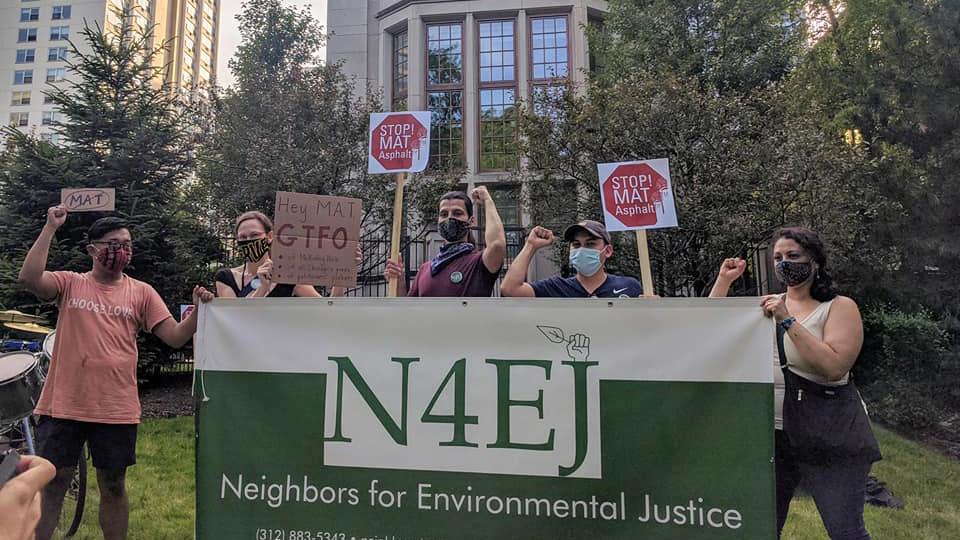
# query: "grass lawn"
[[162, 491]]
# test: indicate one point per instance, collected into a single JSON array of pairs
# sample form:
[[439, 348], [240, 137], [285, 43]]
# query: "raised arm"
[[515, 282], [33, 273], [494, 237], [730, 271]]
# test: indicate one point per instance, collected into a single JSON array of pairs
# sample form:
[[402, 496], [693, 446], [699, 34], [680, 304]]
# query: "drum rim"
[[23, 374], [43, 346]]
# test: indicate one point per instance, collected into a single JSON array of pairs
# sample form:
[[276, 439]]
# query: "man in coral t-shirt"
[[90, 394]]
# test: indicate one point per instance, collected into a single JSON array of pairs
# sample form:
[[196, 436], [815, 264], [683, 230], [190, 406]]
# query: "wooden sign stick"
[[397, 223], [643, 250]]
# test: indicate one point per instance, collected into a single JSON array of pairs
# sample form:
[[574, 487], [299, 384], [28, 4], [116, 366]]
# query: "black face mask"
[[794, 273], [253, 250], [453, 230]]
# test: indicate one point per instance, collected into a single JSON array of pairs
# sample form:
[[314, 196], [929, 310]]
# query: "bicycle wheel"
[[72, 511]]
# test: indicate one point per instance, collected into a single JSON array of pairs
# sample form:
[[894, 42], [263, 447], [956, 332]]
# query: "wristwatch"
[[787, 323]]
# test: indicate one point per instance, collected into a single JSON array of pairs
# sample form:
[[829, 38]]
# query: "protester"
[[90, 393], [254, 234], [460, 269], [823, 436], [20, 498], [590, 249]]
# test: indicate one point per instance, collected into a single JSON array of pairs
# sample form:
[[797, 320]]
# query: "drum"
[[20, 385], [48, 347]]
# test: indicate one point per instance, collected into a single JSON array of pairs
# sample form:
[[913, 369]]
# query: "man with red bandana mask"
[[90, 394]]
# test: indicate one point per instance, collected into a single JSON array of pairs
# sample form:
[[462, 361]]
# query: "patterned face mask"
[[794, 273], [253, 250], [115, 257], [453, 230]]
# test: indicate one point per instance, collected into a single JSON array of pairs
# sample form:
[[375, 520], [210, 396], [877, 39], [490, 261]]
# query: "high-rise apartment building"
[[35, 48]]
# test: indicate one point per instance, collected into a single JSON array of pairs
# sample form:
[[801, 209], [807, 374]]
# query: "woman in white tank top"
[[822, 336]]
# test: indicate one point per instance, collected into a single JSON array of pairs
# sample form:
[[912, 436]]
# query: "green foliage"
[[742, 163], [122, 130], [901, 345], [907, 369], [904, 405], [725, 46], [289, 124], [889, 69]]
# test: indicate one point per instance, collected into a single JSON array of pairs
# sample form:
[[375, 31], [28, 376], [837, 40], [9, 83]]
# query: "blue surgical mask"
[[585, 261]]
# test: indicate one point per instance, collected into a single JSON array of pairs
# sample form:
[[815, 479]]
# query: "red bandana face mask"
[[115, 258]]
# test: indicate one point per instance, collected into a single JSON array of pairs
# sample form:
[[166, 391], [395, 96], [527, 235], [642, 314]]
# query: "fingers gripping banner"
[[442, 419]]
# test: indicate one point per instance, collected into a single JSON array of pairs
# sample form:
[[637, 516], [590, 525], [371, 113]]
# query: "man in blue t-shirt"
[[590, 248]]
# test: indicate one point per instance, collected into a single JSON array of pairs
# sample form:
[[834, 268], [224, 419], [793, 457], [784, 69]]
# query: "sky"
[[230, 34]]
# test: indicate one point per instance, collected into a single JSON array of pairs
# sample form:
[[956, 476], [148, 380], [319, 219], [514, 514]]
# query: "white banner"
[[407, 351]]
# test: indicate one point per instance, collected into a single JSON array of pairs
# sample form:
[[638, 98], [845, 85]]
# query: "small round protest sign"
[[399, 142], [637, 195]]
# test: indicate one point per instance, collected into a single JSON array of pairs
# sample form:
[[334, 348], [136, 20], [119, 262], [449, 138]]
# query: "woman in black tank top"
[[254, 232]]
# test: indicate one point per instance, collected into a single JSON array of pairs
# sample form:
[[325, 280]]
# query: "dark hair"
[[253, 214], [823, 288], [104, 226], [459, 196]]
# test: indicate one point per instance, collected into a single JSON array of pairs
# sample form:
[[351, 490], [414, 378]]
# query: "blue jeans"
[[837, 490]]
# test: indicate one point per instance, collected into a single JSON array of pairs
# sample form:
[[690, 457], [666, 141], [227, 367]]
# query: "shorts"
[[112, 446]]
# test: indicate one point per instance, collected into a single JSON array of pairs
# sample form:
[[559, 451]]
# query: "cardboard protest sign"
[[315, 239], [637, 195], [383, 422], [399, 142], [89, 199]]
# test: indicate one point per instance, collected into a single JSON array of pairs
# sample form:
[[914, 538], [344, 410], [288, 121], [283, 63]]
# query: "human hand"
[[265, 272], [578, 347], [20, 498], [201, 294], [480, 195], [775, 305], [731, 269], [56, 216], [358, 255], [394, 269], [540, 237]]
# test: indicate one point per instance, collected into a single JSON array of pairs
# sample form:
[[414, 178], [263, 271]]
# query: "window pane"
[[446, 130], [549, 43], [24, 76], [500, 42], [400, 66], [445, 58], [498, 129], [27, 35], [507, 199]]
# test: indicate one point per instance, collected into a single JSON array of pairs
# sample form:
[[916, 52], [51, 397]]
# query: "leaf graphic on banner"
[[554, 334]]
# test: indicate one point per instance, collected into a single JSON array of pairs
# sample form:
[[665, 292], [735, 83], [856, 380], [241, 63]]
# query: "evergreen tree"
[[122, 129]]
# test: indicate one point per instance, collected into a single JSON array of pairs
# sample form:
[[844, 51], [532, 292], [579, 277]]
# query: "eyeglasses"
[[113, 244]]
